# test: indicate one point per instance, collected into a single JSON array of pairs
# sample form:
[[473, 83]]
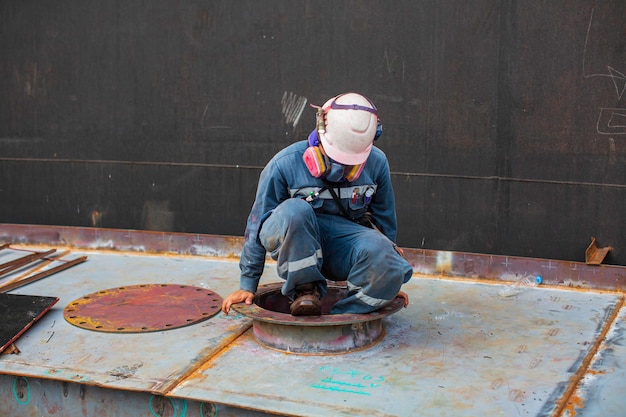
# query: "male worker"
[[325, 209]]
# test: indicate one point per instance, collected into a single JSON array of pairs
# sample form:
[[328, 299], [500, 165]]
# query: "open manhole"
[[276, 328], [143, 308]]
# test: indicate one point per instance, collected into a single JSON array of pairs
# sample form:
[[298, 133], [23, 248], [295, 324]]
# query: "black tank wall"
[[504, 121]]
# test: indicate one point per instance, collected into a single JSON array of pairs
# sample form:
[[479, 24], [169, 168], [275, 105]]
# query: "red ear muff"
[[319, 164], [316, 161]]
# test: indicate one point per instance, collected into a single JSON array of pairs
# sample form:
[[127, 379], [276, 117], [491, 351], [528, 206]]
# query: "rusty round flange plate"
[[275, 327], [143, 308], [271, 306]]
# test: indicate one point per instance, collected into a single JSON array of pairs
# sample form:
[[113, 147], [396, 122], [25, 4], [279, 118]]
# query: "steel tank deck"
[[459, 349]]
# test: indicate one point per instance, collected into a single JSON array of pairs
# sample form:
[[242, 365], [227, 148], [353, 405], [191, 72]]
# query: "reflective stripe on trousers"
[[291, 236]]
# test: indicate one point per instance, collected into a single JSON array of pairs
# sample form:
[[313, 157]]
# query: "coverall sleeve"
[[271, 191], [383, 206]]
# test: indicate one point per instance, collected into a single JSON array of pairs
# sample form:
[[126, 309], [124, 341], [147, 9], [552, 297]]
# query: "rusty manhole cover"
[[143, 308]]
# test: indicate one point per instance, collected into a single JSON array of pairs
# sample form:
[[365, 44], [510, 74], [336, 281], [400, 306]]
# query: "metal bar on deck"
[[10, 266], [44, 274], [46, 261]]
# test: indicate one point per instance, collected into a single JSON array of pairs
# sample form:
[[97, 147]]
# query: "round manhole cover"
[[143, 308]]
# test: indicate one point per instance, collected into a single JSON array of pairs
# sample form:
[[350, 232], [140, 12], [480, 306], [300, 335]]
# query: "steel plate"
[[143, 308], [18, 312]]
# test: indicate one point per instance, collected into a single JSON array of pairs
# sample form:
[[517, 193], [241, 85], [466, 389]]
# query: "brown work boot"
[[307, 301]]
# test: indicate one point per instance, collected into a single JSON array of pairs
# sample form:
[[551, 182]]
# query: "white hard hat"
[[351, 120]]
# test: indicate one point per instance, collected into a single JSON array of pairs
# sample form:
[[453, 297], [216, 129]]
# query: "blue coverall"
[[308, 237]]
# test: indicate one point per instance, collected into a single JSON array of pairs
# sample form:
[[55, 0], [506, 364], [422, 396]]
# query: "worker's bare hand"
[[239, 296], [405, 297]]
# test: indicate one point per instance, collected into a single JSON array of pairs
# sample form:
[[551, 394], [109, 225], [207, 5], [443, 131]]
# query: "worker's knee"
[[291, 215], [294, 210]]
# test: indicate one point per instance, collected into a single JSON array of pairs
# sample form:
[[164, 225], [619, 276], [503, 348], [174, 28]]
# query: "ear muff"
[[352, 172], [316, 161], [319, 165], [379, 131]]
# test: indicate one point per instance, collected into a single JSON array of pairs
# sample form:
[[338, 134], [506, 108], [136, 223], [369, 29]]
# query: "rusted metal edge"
[[124, 240], [574, 382], [205, 358], [436, 263], [12, 349]]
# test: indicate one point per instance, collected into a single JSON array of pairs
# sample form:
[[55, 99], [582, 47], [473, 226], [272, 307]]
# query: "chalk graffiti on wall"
[[602, 57], [293, 106]]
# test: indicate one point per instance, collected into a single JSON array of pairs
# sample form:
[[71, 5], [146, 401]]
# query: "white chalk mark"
[[618, 78], [611, 121], [293, 106]]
